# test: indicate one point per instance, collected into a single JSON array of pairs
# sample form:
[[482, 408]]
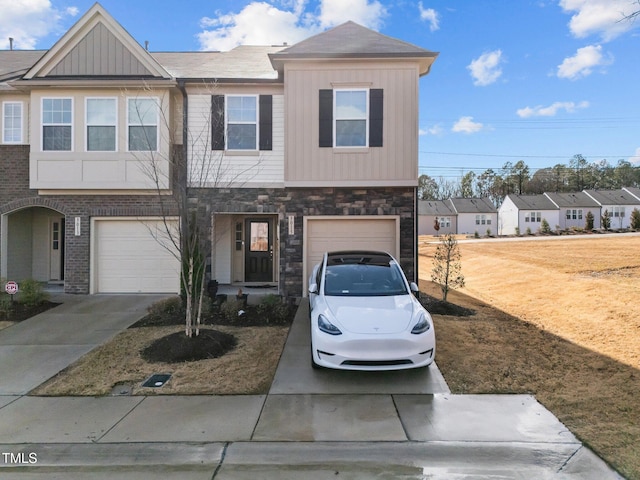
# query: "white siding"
[[507, 217], [224, 169]]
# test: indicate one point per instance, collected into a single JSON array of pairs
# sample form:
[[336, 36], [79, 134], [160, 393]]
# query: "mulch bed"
[[19, 312], [177, 347], [439, 307]]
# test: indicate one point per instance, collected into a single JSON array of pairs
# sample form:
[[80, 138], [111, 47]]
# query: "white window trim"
[[42, 124], [86, 124], [129, 124], [226, 123], [4, 119], [367, 115]]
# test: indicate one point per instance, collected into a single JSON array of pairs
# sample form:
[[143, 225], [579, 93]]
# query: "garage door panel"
[[129, 258], [340, 233]]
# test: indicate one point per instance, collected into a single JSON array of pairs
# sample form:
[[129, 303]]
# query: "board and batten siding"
[[393, 164], [233, 169]]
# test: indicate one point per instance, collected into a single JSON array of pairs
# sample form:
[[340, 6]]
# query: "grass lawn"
[[559, 319]]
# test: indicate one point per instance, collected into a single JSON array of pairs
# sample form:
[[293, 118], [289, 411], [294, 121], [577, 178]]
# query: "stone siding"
[[302, 202]]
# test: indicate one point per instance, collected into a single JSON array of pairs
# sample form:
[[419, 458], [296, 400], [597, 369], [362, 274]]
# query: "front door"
[[56, 249], [258, 261]]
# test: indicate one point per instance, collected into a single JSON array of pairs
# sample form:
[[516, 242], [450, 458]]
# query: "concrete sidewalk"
[[311, 425]]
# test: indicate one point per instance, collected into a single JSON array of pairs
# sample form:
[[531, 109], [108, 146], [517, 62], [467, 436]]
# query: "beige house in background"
[[314, 147]]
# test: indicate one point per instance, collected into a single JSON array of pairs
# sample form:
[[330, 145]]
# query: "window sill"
[[241, 153], [350, 150]]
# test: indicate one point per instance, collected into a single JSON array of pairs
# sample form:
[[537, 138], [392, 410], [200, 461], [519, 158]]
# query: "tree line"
[[516, 178]]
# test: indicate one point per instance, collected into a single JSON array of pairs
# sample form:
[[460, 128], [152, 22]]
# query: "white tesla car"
[[364, 315]]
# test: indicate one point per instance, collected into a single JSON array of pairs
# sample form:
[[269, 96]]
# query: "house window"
[[351, 109], [56, 124], [143, 124], [101, 124], [618, 212], [533, 217], [242, 122], [574, 214], [482, 220], [445, 222], [12, 122], [350, 117]]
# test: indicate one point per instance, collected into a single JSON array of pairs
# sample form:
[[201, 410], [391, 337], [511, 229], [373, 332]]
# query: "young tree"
[[447, 269], [635, 219], [606, 220], [589, 221], [196, 167], [544, 227]]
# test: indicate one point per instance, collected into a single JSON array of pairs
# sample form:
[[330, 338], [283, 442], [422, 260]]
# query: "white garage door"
[[129, 257], [327, 234]]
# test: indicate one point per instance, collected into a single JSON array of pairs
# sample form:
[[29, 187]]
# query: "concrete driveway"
[[311, 425]]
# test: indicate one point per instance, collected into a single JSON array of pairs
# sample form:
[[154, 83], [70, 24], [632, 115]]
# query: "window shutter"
[[266, 122], [326, 118], [375, 117], [217, 122]]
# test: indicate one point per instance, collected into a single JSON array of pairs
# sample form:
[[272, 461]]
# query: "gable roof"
[[96, 46], [472, 205], [351, 40], [635, 191], [243, 62], [532, 202], [575, 199], [613, 197], [434, 207]]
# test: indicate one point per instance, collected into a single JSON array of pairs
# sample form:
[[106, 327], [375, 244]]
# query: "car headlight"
[[327, 327], [422, 326]]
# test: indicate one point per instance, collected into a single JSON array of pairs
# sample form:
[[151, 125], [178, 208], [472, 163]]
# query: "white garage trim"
[[370, 232], [133, 255]]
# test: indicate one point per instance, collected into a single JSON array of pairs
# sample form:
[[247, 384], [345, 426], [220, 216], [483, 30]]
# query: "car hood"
[[383, 315]]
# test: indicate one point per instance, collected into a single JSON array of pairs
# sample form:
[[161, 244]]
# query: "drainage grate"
[[157, 380]]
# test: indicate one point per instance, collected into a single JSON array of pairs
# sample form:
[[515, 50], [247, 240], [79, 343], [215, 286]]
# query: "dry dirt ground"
[[559, 319]]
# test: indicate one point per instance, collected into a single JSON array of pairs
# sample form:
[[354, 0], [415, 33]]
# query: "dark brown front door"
[[258, 265]]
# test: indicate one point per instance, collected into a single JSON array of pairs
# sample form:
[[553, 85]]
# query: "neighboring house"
[[573, 210], [519, 213], [475, 215], [431, 212], [315, 147], [618, 204], [635, 191]]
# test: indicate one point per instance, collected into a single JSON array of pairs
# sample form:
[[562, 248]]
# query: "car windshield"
[[360, 279]]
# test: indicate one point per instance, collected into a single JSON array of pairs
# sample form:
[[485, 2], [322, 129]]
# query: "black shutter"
[[326, 118], [266, 122], [217, 122], [375, 117]]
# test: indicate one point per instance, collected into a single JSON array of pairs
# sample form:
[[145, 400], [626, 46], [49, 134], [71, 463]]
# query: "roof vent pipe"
[[10, 43], [146, 45]]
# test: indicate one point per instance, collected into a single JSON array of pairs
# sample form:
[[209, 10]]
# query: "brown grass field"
[[556, 318]]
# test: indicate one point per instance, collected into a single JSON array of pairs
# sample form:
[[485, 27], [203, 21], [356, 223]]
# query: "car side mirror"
[[414, 289], [313, 288]]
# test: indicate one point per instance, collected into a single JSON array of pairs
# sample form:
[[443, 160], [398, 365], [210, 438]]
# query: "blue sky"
[[538, 81]]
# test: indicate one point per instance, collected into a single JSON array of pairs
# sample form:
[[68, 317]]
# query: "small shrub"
[[528, 230], [230, 310], [544, 227], [476, 234], [517, 231], [168, 307], [5, 308], [273, 310], [488, 232], [589, 219], [31, 293]]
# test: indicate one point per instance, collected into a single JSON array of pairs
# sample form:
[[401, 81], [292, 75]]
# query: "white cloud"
[[26, 21], [365, 12], [261, 23], [583, 62], [636, 158], [434, 130], [467, 125], [431, 16], [551, 110], [600, 17], [486, 68]]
